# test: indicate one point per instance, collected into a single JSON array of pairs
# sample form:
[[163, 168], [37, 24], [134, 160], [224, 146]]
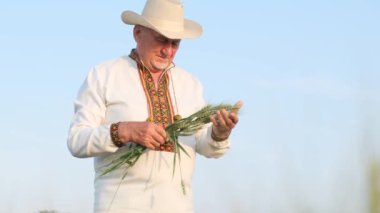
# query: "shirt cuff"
[[217, 144]]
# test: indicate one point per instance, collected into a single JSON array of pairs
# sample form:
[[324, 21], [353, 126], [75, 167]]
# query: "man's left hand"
[[223, 123]]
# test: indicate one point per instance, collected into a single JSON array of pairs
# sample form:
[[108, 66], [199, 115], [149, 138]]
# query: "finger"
[[227, 120], [220, 119], [157, 136], [161, 131], [234, 117], [228, 124], [150, 146], [149, 143], [157, 139], [238, 105], [155, 144], [213, 120]]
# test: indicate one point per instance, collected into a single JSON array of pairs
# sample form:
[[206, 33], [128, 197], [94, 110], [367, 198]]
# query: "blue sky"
[[307, 71]]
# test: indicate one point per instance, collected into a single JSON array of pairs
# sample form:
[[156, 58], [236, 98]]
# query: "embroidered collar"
[[160, 107]]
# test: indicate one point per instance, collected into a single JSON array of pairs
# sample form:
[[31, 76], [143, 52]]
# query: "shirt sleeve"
[[89, 135], [205, 145]]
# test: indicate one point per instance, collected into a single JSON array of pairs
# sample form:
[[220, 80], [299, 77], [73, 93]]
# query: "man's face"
[[155, 50]]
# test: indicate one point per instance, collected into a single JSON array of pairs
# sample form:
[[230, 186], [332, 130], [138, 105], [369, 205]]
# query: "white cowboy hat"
[[165, 17]]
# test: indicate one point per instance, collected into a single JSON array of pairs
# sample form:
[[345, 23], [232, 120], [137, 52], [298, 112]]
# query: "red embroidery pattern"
[[159, 101]]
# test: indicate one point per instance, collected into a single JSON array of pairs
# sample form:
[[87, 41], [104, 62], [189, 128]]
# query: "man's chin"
[[161, 66]]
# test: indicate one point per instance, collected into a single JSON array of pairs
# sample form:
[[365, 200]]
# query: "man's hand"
[[223, 123], [146, 134]]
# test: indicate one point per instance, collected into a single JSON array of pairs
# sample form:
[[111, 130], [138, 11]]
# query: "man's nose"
[[168, 50]]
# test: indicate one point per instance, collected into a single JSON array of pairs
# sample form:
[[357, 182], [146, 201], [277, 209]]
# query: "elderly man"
[[130, 100]]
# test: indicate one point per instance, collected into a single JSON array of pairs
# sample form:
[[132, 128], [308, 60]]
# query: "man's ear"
[[136, 32]]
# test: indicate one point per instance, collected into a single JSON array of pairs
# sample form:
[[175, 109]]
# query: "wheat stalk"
[[183, 127]]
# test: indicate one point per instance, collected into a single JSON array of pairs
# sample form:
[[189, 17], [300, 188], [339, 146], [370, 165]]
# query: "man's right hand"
[[146, 134]]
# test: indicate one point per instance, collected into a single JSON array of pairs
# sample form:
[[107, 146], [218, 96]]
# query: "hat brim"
[[191, 29]]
